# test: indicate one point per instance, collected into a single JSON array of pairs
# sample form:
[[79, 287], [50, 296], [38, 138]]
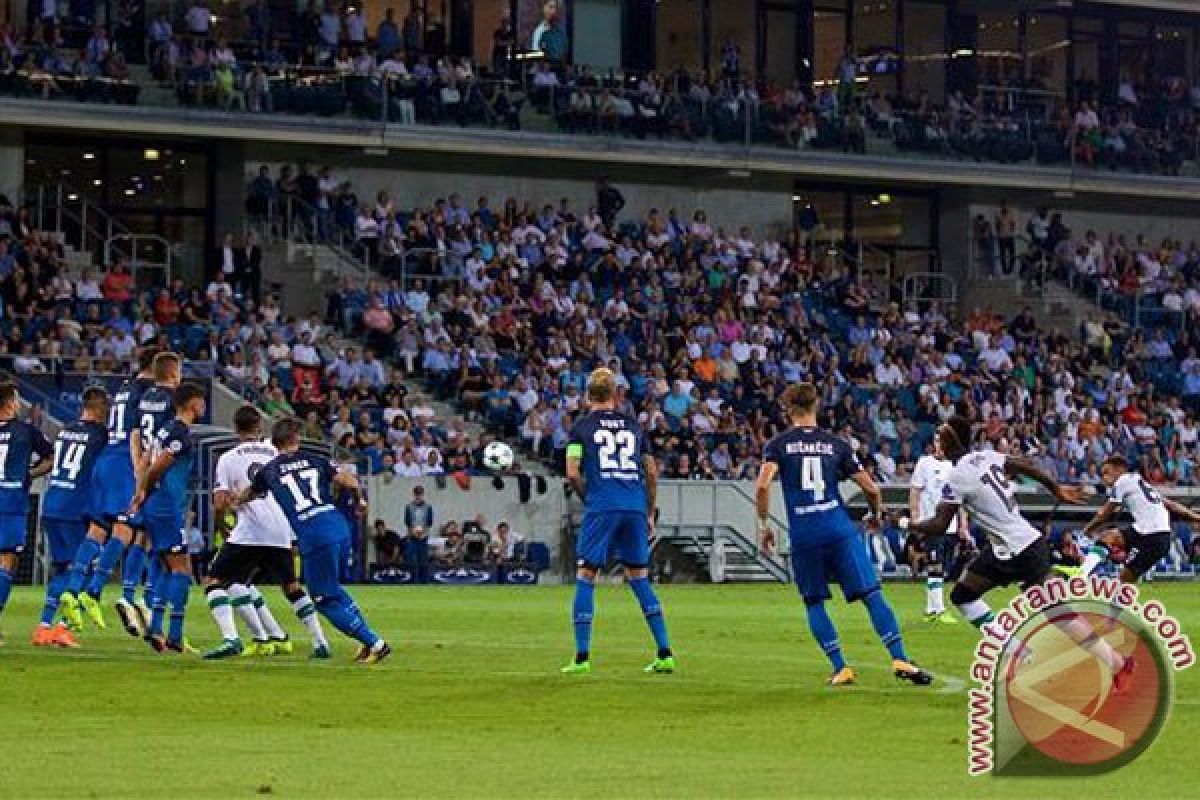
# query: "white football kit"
[[1143, 503], [260, 522], [929, 477], [979, 484]]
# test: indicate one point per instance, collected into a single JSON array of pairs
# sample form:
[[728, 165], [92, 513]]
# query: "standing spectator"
[[387, 35], [418, 519], [550, 36], [1006, 237], [609, 201]]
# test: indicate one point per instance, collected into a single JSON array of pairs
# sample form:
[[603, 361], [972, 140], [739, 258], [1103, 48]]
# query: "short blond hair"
[[601, 385]]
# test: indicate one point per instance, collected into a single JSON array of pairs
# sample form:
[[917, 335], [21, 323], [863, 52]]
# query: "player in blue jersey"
[[618, 482], [111, 531], [68, 505], [825, 544], [162, 499], [303, 485], [24, 455]]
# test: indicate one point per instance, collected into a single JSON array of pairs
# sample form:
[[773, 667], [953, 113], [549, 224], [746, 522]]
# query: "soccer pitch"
[[472, 705]]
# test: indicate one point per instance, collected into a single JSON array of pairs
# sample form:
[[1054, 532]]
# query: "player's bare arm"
[[939, 523], [1023, 468], [1102, 516], [914, 503], [762, 502], [574, 473], [650, 468], [223, 500], [871, 491], [1181, 511]]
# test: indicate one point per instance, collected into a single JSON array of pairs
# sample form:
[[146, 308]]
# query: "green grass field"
[[472, 706]]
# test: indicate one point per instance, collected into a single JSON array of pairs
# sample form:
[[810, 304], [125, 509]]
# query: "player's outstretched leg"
[[884, 622], [277, 637], [306, 612], [243, 603], [582, 611], [219, 606], [826, 635], [664, 660], [344, 614]]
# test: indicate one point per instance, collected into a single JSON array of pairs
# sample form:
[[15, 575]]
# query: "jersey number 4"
[[616, 450], [304, 496], [812, 477]]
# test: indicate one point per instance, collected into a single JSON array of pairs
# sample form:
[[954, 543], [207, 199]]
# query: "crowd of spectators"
[[324, 60], [704, 324]]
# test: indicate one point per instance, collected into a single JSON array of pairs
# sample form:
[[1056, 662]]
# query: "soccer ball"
[[498, 456]]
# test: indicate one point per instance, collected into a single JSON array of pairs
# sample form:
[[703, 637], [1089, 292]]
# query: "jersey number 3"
[[307, 496], [616, 450]]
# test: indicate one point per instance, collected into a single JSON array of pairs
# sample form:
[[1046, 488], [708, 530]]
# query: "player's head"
[[955, 437], [189, 400], [285, 434], [247, 422], [146, 361], [95, 404], [167, 368], [602, 388], [799, 401], [1112, 468], [10, 400]]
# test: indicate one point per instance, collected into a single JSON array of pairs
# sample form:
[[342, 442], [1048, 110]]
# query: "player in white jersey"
[[925, 492], [1149, 538], [981, 483], [259, 547]]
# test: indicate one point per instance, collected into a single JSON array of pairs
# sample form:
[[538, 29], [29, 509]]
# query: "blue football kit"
[[21, 447], [825, 543], [70, 500], [165, 504], [116, 462], [609, 446], [302, 484]]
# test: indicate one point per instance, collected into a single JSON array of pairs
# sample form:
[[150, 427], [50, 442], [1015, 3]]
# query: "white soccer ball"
[[498, 456]]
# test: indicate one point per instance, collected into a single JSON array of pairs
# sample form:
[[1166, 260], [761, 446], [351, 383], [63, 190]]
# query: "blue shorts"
[[12, 533], [322, 568], [63, 537], [621, 535], [165, 533], [117, 485], [844, 560]]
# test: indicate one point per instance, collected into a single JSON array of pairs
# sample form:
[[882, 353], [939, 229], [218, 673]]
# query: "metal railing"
[[84, 224]]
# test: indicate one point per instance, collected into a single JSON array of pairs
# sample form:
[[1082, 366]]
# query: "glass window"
[[733, 27], [875, 45], [487, 16], [781, 46], [1000, 57], [829, 37], [1046, 59], [924, 50], [678, 36], [1173, 52]]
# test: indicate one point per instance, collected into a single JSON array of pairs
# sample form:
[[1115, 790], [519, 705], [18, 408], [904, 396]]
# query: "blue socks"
[[110, 554], [54, 587], [648, 600], [826, 635], [344, 615], [175, 587], [885, 624], [582, 612], [155, 581], [132, 571], [158, 611], [6, 582], [88, 550]]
